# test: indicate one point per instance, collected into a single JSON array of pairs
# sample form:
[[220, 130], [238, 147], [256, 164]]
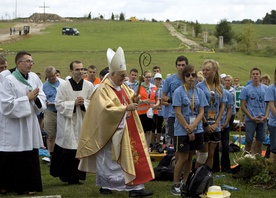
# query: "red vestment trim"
[[142, 168]]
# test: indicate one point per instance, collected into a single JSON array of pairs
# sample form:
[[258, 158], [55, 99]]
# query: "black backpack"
[[165, 168], [198, 182]]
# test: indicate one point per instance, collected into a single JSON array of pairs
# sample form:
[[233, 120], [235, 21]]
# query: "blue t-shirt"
[[166, 109], [133, 86], [50, 91], [170, 85], [233, 107], [214, 101], [230, 102], [181, 99], [254, 98], [270, 95]]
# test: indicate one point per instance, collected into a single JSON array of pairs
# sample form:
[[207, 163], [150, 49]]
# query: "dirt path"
[[187, 42], [35, 28]]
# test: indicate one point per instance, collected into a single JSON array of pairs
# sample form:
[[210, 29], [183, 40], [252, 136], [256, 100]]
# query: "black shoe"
[[140, 193], [105, 191]]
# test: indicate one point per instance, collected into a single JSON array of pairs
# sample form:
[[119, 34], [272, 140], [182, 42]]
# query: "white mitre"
[[116, 61]]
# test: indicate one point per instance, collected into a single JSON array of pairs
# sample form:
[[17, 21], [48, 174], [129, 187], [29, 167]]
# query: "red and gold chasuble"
[[142, 169]]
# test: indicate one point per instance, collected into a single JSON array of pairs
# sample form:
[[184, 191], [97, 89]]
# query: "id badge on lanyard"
[[192, 119], [211, 113], [211, 116]]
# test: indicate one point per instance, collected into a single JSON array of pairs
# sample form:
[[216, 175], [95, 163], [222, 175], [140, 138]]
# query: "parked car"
[[70, 31]]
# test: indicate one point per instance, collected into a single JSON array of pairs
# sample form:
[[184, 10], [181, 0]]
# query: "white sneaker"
[[175, 190]]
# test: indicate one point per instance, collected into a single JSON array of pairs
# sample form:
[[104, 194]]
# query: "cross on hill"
[[44, 7]]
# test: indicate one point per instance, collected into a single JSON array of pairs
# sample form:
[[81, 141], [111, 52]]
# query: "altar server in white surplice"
[[21, 99], [72, 99]]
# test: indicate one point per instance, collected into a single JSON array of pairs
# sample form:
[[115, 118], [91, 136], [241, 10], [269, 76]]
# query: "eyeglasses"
[[181, 65], [52, 76], [190, 74], [28, 61], [147, 76], [121, 75]]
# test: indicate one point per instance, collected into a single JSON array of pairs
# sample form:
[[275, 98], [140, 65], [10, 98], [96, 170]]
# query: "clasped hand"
[[32, 95], [79, 100]]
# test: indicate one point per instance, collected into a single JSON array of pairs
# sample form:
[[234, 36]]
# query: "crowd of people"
[[109, 124]]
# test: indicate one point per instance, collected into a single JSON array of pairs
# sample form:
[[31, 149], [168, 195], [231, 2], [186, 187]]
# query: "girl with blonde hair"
[[212, 113]]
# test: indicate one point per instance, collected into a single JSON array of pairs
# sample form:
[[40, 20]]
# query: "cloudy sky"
[[205, 11]]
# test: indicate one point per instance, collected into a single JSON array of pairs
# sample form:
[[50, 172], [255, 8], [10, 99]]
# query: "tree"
[[259, 21], [247, 39], [112, 16], [197, 28], [223, 28], [270, 18], [89, 15], [122, 16], [245, 21]]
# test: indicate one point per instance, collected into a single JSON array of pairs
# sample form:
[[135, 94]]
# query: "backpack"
[[198, 182], [165, 168]]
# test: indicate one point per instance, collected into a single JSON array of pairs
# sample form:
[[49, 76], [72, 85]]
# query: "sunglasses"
[[190, 74]]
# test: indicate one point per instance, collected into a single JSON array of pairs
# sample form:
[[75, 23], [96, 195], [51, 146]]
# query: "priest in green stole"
[[112, 142]]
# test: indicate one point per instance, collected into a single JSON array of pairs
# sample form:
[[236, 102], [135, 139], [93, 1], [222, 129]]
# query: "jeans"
[[252, 127]]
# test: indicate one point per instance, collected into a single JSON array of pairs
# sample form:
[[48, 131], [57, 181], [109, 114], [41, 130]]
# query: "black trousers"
[[223, 164]]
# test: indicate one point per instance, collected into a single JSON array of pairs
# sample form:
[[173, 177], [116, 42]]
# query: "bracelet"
[[205, 124], [190, 133]]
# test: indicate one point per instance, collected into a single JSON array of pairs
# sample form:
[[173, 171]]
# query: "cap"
[[116, 61], [157, 75], [222, 75]]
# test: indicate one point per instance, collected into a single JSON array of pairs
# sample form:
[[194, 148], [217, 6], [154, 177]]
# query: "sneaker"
[[175, 190]]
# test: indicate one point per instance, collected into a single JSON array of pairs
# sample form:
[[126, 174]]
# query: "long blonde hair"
[[215, 67]]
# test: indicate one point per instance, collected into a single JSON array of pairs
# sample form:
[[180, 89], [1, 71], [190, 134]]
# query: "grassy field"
[[51, 48], [53, 186]]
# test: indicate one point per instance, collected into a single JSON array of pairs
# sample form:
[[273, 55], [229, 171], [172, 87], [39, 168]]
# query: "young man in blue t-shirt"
[[255, 109], [171, 83]]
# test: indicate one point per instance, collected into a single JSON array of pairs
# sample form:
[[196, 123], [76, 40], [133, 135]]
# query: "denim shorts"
[[272, 131], [252, 127]]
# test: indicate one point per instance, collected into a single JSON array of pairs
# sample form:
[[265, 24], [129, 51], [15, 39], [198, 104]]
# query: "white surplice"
[[69, 122], [20, 130]]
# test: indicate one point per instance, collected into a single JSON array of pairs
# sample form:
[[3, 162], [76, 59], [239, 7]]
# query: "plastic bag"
[[150, 113]]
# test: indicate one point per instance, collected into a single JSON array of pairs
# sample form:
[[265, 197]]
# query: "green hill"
[[50, 47]]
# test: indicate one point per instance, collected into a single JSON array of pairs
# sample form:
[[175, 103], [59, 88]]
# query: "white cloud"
[[211, 11]]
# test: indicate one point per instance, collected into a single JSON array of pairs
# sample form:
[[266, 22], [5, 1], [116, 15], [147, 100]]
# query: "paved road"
[[187, 42]]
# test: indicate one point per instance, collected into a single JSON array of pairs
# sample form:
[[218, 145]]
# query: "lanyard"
[[212, 100], [52, 85], [193, 99], [208, 86]]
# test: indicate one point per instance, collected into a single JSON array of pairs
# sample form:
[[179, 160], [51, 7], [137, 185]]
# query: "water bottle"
[[227, 187]]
